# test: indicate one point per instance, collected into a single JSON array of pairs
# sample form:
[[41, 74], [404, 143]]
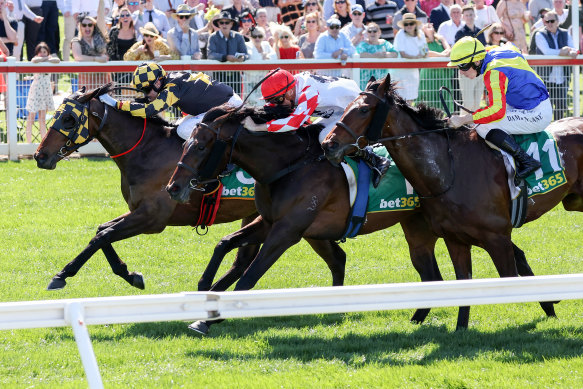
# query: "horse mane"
[[167, 128], [260, 115]]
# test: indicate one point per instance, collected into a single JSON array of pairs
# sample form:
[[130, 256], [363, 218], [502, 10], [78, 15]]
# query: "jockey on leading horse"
[[518, 100], [193, 93], [313, 95]]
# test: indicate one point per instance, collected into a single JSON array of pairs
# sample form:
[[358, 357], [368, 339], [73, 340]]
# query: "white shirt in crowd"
[[448, 30]]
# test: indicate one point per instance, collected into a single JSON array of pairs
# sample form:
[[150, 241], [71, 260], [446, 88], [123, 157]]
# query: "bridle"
[[374, 130]]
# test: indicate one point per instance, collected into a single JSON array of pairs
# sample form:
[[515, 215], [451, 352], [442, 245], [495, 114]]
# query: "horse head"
[[204, 154], [362, 122], [71, 127]]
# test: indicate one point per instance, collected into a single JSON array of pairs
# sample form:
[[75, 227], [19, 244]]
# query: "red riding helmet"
[[277, 84]]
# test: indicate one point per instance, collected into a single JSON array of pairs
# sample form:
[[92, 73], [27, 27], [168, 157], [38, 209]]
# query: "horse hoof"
[[138, 280], [56, 284], [200, 327]]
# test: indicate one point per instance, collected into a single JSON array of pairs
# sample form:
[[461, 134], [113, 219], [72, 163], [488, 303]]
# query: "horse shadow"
[[519, 344]]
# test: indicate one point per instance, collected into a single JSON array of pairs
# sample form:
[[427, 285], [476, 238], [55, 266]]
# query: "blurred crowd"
[[240, 30]]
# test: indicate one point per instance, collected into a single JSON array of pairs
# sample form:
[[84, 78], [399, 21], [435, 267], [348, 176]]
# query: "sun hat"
[[333, 22], [357, 8], [225, 15], [182, 10], [408, 17], [150, 29]]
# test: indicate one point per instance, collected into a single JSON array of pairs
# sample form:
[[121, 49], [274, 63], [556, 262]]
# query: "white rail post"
[[74, 314], [11, 121]]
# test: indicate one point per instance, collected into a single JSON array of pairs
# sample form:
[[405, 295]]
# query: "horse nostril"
[[172, 188]]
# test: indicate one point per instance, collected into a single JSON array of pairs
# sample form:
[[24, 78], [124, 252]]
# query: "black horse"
[[298, 194]]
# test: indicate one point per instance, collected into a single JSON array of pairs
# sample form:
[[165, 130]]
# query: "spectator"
[[495, 35], [116, 10], [374, 47], [204, 34], [90, 45], [341, 8], [19, 11], [428, 5], [355, 29], [539, 25], [262, 21], [259, 49], [554, 40], [440, 13], [49, 25], [291, 10], [134, 6], [333, 44], [562, 12], [40, 96], [285, 42], [485, 13], [182, 39], [471, 88], [151, 47], [152, 15], [534, 7], [412, 8], [272, 12], [433, 79], [449, 28], [411, 44], [246, 21], [309, 7], [88, 7], [226, 45], [381, 12], [307, 42], [236, 10], [513, 15], [122, 36], [8, 27], [197, 21]]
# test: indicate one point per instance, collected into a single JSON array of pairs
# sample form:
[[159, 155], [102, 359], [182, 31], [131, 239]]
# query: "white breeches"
[[187, 123], [521, 121]]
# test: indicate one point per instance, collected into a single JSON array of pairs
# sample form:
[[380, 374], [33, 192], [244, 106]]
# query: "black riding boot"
[[379, 165], [525, 164]]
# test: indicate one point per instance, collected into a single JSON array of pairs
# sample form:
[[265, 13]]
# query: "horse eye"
[[68, 122], [201, 147], [364, 110]]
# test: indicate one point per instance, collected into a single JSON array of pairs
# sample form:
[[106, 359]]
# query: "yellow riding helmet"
[[146, 74], [466, 50]]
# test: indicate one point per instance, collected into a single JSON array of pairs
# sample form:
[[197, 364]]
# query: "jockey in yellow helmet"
[[518, 101]]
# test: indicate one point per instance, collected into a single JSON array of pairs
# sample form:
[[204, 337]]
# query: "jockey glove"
[[107, 99]]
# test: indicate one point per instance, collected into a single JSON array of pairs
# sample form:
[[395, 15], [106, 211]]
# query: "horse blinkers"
[[71, 119]]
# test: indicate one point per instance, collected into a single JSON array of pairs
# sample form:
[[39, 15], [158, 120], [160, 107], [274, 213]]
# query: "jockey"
[[193, 93], [518, 101], [313, 95]]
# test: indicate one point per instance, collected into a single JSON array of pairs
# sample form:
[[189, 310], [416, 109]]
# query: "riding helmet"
[[466, 50], [277, 84], [146, 75]]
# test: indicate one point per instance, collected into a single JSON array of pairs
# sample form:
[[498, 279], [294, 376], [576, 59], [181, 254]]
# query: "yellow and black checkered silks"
[[146, 74], [77, 127]]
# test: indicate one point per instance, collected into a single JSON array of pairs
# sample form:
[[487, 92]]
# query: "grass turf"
[[49, 216]]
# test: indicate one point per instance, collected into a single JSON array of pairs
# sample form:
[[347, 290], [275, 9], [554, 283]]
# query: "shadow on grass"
[[424, 345]]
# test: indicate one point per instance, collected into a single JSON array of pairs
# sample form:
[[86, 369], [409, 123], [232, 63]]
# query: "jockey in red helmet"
[[312, 95]]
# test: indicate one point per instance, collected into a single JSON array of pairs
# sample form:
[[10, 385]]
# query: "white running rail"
[[78, 313]]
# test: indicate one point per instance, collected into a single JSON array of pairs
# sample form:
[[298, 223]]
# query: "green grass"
[[49, 216]]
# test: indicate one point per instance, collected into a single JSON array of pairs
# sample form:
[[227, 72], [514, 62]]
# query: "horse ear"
[[385, 86], [83, 88], [370, 82]]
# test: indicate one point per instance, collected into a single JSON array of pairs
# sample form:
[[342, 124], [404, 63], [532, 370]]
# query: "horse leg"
[[461, 257], [524, 270], [334, 257], [421, 242], [128, 225], [253, 233], [119, 267]]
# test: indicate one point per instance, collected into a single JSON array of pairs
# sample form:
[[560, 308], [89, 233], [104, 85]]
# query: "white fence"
[[68, 77], [78, 313]]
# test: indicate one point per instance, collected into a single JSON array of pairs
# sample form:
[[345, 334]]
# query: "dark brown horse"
[[144, 172], [461, 181], [155, 150], [297, 194]]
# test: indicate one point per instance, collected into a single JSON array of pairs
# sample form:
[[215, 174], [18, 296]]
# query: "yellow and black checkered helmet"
[[466, 50], [146, 74]]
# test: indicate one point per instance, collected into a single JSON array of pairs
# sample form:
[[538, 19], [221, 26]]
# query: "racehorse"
[[145, 169], [462, 183], [297, 193]]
